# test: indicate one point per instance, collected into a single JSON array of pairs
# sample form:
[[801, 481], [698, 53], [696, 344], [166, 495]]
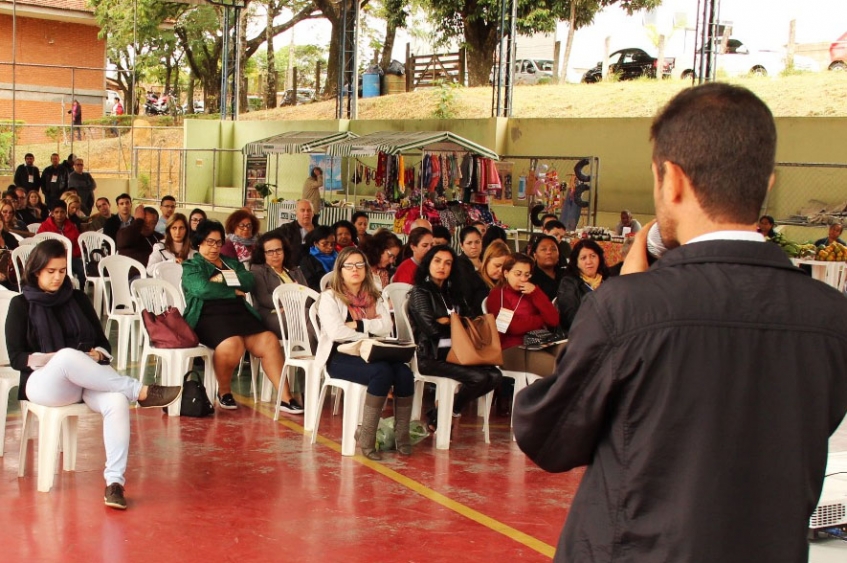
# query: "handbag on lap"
[[380, 350], [475, 342]]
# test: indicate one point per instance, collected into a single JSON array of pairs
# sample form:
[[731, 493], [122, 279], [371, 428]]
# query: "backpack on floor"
[[195, 402]]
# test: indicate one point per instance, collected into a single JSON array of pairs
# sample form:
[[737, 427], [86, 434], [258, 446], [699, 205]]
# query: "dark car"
[[630, 64]]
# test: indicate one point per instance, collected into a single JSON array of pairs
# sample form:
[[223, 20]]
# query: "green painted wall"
[[621, 144]]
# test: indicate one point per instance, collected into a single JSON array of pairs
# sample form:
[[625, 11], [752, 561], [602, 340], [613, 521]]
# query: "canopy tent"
[[401, 142], [296, 142]]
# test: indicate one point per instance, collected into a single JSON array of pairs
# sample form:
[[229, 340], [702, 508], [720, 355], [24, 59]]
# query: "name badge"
[[54, 178], [445, 343], [231, 278], [31, 178], [504, 319]]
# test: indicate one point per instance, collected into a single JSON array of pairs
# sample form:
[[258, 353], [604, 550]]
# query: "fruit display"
[[795, 249], [835, 252]]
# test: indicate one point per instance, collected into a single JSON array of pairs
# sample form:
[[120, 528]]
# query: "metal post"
[[236, 77], [224, 64], [14, 77]]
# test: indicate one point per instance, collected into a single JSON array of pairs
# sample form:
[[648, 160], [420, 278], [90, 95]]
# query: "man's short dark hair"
[[555, 224], [57, 204], [99, 199], [123, 196], [358, 214], [168, 198], [28, 155], [724, 138], [152, 211], [440, 231]]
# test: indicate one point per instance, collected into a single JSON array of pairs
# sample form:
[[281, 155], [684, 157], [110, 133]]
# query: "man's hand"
[[636, 260], [139, 212]]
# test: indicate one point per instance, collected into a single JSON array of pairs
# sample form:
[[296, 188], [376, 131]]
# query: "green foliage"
[[7, 139], [446, 94]]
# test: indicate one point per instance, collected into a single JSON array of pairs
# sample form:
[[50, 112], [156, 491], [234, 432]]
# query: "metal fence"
[[195, 177], [106, 149], [808, 194]]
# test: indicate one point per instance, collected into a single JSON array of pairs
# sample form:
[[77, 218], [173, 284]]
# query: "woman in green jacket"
[[215, 289]]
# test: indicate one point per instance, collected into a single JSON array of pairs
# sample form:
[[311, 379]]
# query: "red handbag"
[[168, 329]]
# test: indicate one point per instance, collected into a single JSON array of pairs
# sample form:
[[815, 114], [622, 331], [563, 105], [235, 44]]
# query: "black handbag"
[[541, 338], [195, 402]]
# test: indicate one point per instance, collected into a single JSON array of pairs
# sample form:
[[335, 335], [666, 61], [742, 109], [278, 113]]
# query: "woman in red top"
[[530, 309], [420, 241]]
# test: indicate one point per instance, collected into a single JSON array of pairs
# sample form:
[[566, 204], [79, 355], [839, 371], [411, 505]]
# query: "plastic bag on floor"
[[385, 439]]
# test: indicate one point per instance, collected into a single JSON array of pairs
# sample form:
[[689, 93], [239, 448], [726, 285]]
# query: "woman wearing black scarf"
[[55, 341]]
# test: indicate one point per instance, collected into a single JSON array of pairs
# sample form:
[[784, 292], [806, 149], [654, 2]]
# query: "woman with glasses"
[[272, 267], [381, 250], [321, 257], [7, 271], [215, 288], [175, 247], [194, 219], [242, 229], [434, 297], [351, 309], [13, 224]]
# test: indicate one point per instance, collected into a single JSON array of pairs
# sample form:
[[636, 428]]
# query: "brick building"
[[62, 33]]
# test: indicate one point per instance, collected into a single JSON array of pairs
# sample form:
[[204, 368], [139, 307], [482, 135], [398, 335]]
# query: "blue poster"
[[331, 166]]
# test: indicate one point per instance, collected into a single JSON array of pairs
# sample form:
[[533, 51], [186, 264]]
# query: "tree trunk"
[[568, 43], [332, 12], [270, 84], [481, 39], [242, 58], [388, 45], [189, 93]]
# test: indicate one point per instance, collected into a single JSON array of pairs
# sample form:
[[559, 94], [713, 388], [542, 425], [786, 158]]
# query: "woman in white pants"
[[56, 342]]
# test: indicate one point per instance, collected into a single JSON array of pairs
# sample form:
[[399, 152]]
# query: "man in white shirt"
[[168, 206]]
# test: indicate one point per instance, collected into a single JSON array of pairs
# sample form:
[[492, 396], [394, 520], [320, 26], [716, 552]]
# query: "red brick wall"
[[55, 43]]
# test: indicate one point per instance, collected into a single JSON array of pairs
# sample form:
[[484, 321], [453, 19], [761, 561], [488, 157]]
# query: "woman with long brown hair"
[[175, 247]]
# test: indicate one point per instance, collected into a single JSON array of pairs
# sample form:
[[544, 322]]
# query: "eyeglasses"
[[169, 206], [350, 266], [274, 252], [326, 243], [245, 226], [78, 164], [214, 242], [390, 254]]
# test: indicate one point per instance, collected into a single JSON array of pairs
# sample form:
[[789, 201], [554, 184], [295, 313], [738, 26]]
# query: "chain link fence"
[[808, 194]]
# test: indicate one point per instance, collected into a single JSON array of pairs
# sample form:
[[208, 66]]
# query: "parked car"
[[198, 107], [528, 71], [738, 59], [838, 54], [304, 96], [629, 64]]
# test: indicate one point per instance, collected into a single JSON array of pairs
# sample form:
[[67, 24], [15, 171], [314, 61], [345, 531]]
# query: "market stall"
[[439, 175], [259, 166]]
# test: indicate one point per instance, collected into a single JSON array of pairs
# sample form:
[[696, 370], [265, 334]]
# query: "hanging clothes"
[[379, 178], [401, 176], [435, 179]]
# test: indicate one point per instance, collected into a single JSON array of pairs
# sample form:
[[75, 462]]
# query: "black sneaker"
[[114, 496], [160, 396], [227, 402], [291, 407]]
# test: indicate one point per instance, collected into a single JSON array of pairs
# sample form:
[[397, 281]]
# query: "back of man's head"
[[724, 138]]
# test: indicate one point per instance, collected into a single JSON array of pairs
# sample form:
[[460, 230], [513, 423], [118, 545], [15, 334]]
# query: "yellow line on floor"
[[423, 490]]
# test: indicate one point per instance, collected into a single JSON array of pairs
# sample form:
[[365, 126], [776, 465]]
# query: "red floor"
[[239, 487]]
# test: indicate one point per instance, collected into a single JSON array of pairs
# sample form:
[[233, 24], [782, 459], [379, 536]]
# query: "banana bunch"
[[793, 249], [835, 252]]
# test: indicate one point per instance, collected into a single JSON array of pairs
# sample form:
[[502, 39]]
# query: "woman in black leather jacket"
[[435, 295]]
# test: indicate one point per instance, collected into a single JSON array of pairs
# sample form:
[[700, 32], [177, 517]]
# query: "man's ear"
[[674, 183]]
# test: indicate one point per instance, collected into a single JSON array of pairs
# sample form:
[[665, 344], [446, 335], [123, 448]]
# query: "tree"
[[477, 21]]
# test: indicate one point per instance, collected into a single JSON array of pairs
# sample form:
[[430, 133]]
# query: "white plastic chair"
[[122, 308], [89, 242], [171, 272], [22, 240], [56, 236], [19, 257], [290, 301], [326, 280], [396, 294], [156, 296], [9, 378], [53, 423], [445, 389], [33, 227], [354, 400]]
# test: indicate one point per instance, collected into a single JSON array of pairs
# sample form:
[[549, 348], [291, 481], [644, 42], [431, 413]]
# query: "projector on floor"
[[831, 511]]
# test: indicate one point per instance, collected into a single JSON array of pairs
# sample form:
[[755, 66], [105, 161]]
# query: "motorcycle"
[[161, 105]]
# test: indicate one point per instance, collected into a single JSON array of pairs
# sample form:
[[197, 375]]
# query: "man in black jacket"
[[700, 393], [26, 175], [295, 232], [54, 180]]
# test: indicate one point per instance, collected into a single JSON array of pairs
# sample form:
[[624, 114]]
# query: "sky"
[[758, 23]]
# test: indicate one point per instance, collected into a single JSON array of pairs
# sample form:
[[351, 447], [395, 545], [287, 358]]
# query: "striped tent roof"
[[295, 142], [400, 142]]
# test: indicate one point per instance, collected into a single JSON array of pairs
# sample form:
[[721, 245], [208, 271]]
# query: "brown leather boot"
[[370, 422], [402, 418]]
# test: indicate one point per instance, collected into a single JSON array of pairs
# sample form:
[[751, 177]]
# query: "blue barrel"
[[370, 85]]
